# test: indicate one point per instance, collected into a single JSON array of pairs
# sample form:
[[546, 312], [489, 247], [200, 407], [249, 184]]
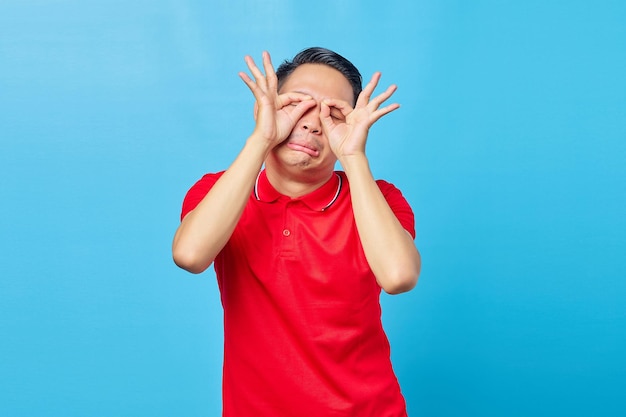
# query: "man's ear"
[[256, 110]]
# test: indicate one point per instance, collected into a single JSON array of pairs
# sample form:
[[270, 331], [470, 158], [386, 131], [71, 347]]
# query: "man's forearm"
[[205, 230], [388, 247]]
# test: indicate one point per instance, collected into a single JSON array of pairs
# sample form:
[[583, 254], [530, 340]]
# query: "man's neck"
[[297, 184]]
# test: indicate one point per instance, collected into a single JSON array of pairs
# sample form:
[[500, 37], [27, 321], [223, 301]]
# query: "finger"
[[342, 106], [366, 93], [259, 94], [383, 111], [381, 98], [327, 121], [256, 72], [270, 74], [299, 108], [334, 112], [286, 99], [251, 84]]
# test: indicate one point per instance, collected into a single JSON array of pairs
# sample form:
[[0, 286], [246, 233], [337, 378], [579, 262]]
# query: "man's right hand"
[[275, 114]]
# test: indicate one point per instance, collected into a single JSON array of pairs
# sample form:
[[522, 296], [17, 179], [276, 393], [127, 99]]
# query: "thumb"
[[327, 121]]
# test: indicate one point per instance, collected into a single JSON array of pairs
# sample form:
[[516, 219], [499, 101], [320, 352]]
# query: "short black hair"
[[317, 55]]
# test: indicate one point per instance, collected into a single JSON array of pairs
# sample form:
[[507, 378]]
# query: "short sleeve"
[[399, 205], [198, 191]]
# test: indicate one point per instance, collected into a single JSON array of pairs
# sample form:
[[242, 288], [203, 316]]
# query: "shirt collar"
[[319, 200]]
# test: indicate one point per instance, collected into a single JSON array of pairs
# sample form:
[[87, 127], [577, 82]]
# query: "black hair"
[[317, 55]]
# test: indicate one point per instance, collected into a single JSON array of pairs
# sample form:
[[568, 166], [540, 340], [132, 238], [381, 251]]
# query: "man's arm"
[[388, 247], [205, 230]]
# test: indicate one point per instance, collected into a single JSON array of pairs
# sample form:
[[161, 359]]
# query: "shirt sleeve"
[[399, 205], [198, 191]]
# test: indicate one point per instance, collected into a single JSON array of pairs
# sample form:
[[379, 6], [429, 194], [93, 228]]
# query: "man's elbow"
[[189, 261], [400, 284], [402, 279]]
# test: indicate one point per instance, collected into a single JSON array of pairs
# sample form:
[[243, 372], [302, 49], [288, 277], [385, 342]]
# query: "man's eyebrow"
[[301, 92]]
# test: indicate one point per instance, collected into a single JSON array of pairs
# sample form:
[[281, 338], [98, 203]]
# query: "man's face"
[[307, 147]]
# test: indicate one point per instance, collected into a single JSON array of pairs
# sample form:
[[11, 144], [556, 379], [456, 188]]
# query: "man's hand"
[[347, 128], [276, 115]]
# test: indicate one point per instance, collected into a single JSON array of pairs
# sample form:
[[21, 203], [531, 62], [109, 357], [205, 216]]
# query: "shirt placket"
[[287, 235]]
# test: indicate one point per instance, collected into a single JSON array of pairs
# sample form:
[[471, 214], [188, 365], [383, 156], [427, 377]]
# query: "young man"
[[302, 251]]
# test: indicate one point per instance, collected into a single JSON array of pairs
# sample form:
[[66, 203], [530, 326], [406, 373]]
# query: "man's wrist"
[[354, 161], [259, 145]]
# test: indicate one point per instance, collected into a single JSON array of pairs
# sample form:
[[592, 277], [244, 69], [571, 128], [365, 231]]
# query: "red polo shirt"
[[302, 318]]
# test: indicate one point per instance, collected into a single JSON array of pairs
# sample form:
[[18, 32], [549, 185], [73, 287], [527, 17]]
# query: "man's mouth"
[[303, 148]]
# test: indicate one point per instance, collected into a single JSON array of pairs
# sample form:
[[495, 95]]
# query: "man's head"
[[306, 154], [322, 56]]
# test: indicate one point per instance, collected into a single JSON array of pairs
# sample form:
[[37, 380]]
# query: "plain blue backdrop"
[[510, 145]]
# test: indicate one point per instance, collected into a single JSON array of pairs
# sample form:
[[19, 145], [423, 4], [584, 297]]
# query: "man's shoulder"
[[210, 177], [206, 181], [197, 191]]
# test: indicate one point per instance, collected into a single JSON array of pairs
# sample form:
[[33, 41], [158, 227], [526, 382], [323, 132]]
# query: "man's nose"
[[311, 120]]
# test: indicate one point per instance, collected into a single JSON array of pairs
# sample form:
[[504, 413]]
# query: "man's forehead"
[[318, 79]]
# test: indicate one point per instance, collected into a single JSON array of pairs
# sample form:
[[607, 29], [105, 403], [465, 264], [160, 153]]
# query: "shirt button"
[[286, 232]]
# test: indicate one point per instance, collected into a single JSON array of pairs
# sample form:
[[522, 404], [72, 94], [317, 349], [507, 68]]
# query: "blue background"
[[510, 146]]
